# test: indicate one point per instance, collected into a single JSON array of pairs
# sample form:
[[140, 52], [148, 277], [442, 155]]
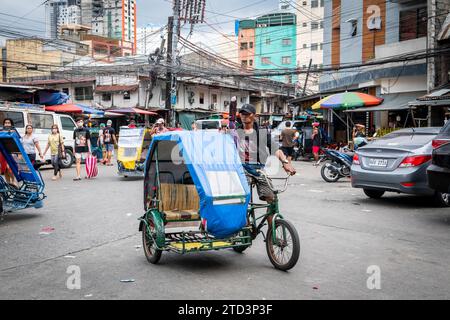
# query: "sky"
[[153, 12]]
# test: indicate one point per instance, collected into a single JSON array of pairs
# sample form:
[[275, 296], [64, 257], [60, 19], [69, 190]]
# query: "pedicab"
[[133, 148], [197, 198], [29, 192]]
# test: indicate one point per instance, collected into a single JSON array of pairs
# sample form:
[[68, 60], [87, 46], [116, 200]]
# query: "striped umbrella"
[[347, 100]]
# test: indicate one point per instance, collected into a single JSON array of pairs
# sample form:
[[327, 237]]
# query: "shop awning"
[[392, 102], [439, 97]]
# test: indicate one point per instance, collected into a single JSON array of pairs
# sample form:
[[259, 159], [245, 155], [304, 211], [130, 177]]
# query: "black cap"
[[249, 108]]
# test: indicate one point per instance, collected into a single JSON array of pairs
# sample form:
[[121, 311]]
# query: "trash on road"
[[46, 230], [70, 257], [127, 280], [88, 295]]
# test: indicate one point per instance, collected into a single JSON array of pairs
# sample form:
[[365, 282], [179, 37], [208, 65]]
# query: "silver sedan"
[[397, 162]]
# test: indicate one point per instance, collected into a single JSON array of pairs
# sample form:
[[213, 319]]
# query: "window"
[[244, 63], [286, 60], [202, 98], [251, 45], [314, 46], [126, 95], [214, 98], [321, 3], [16, 117], [305, 3], [244, 46], [287, 42], [67, 123], [304, 66], [265, 61], [250, 62], [314, 25], [321, 24], [268, 41], [305, 46], [314, 3], [413, 24], [305, 24], [41, 121], [83, 93], [106, 97], [321, 46]]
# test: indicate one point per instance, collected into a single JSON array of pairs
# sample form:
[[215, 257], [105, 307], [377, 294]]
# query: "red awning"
[[69, 108]]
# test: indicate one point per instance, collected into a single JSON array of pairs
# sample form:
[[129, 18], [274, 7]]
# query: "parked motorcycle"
[[338, 167]]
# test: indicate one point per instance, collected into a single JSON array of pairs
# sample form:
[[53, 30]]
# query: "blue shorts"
[[109, 147]]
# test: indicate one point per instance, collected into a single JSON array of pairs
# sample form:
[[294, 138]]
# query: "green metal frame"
[[243, 238]]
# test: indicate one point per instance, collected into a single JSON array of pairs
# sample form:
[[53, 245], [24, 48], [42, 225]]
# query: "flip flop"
[[76, 179]]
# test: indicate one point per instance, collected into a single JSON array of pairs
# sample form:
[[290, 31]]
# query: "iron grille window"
[[83, 93]]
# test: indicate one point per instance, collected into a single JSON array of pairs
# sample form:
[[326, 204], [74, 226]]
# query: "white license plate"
[[378, 162]]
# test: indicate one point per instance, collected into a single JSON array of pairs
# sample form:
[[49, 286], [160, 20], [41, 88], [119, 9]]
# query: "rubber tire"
[[438, 201], [373, 194], [324, 177], [156, 256], [295, 246], [70, 157]]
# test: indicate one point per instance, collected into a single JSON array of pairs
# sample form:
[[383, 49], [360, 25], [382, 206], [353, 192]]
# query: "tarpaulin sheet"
[[215, 167]]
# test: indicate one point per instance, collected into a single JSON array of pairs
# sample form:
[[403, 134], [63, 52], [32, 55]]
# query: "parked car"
[[42, 121], [397, 162], [439, 170]]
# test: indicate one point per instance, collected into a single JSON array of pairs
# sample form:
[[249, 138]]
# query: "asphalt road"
[[342, 234]]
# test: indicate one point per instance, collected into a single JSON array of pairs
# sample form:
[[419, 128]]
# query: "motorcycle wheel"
[[328, 175]]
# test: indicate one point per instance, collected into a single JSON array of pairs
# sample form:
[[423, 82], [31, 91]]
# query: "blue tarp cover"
[[214, 165]]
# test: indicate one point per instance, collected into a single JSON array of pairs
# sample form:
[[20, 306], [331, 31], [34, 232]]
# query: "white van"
[[41, 120]]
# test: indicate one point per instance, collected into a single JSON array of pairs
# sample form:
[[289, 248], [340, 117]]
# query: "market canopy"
[[347, 100], [133, 111], [74, 108]]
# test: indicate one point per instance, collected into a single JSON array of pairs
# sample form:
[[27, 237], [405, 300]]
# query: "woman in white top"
[[30, 144]]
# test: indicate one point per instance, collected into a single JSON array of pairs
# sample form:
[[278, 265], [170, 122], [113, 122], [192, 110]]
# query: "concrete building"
[[70, 14], [53, 10], [269, 42], [276, 43], [246, 43], [310, 16], [37, 58], [358, 32]]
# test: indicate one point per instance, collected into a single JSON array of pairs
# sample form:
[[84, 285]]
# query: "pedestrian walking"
[[56, 145], [82, 140], [287, 138], [30, 143], [316, 143], [8, 125], [109, 138], [194, 126]]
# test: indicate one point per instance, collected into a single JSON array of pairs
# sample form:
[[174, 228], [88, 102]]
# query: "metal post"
[[175, 35], [168, 104], [307, 76]]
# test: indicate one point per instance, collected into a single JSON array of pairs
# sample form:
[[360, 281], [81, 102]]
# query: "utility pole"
[[307, 76], [431, 46], [168, 103]]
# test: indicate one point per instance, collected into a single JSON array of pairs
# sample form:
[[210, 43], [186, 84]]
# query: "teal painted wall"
[[269, 43]]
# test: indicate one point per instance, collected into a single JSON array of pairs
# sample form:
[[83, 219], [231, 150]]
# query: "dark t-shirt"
[[108, 133], [81, 137], [287, 138], [316, 140]]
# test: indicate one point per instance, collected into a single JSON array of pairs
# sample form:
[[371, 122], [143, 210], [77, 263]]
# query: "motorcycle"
[[339, 166]]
